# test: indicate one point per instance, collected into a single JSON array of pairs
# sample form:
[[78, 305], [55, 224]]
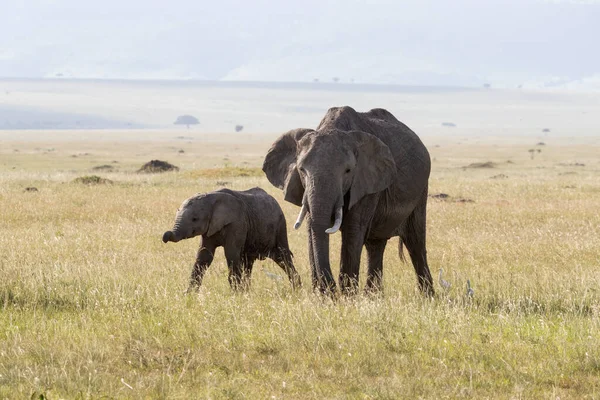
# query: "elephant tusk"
[[337, 223], [301, 216]]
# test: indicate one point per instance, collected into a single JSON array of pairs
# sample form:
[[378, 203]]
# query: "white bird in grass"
[[273, 276], [470, 290], [443, 283]]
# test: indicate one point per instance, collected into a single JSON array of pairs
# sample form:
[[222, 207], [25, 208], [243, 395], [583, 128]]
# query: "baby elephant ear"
[[225, 210], [375, 168], [280, 165]]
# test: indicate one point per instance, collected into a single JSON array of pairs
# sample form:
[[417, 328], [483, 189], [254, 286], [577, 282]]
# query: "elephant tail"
[[401, 250]]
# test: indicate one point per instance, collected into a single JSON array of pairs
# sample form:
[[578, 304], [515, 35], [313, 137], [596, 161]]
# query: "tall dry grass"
[[92, 303]]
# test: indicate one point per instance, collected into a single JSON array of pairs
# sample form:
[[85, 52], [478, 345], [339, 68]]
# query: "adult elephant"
[[365, 174]]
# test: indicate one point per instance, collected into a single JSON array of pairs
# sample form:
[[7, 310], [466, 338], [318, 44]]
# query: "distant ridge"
[[328, 86]]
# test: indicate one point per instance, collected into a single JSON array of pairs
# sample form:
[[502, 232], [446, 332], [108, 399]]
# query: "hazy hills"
[[533, 43], [269, 107]]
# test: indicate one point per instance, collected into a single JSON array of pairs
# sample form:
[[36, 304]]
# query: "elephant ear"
[[375, 166], [225, 210], [280, 165]]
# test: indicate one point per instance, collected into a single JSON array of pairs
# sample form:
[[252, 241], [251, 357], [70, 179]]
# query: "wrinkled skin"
[[366, 171], [248, 224]]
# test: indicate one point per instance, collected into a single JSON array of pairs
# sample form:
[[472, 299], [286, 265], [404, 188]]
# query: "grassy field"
[[92, 303]]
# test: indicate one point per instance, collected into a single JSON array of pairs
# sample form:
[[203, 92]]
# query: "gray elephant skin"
[[248, 224], [367, 175]]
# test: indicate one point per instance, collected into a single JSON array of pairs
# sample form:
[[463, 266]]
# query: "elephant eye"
[[347, 170], [195, 219]]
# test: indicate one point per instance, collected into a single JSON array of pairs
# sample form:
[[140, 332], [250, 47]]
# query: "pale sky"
[[460, 42]]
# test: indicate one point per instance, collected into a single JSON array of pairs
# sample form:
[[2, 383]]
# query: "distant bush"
[[186, 120], [92, 180], [238, 128]]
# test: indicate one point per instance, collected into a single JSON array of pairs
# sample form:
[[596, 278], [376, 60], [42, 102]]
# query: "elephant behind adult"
[[248, 224], [365, 173]]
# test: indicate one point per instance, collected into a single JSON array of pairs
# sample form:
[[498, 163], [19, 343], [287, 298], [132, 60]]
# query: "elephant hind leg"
[[247, 264], [413, 237], [283, 257]]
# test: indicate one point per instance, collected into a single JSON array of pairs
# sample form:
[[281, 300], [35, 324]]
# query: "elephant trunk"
[[169, 236], [322, 208], [320, 247]]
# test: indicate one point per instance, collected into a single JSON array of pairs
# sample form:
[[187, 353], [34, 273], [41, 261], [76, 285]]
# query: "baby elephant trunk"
[[169, 236]]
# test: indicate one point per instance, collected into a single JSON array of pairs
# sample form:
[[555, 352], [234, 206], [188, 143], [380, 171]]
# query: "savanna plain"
[[92, 303]]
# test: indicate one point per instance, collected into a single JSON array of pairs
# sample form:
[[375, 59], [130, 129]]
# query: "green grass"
[[92, 303], [226, 171]]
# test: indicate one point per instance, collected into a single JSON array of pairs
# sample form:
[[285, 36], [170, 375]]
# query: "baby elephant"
[[248, 224]]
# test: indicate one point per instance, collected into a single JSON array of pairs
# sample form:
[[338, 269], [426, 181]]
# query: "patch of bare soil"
[[487, 164], [439, 196], [104, 167], [447, 198], [156, 166], [576, 164]]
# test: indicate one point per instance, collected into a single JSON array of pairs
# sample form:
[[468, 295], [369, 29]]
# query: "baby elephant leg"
[[236, 275], [203, 260], [283, 258], [236, 268], [247, 264]]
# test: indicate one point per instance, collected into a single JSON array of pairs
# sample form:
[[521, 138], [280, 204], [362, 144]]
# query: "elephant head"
[[321, 170], [203, 214]]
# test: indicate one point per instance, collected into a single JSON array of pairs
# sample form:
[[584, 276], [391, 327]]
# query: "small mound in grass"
[[92, 180], [487, 164], [156, 166]]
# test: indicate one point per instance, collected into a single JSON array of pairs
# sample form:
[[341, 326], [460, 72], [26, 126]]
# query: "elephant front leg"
[[352, 243], [203, 260], [375, 250], [354, 232]]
